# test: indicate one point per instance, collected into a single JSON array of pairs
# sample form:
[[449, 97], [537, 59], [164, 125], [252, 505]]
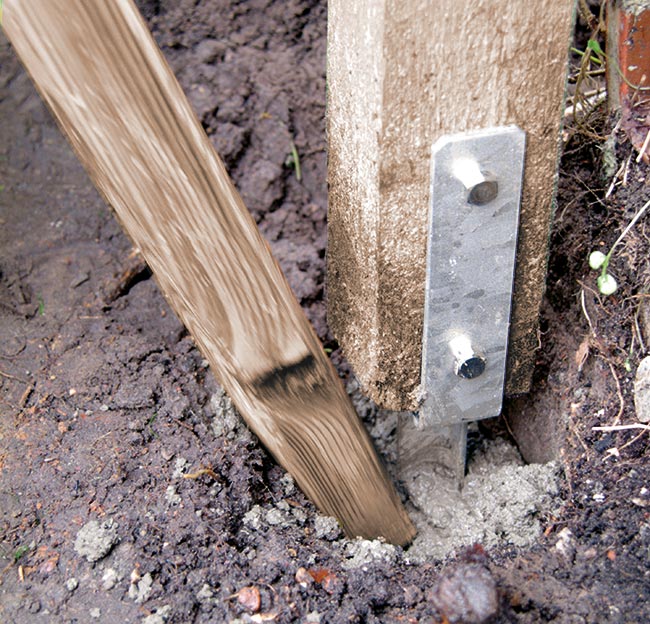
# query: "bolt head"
[[483, 193], [471, 368]]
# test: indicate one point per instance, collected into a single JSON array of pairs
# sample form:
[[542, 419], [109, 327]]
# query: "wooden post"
[[628, 68], [402, 73], [114, 96]]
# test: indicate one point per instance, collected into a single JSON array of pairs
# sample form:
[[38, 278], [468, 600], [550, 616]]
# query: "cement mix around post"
[[502, 501]]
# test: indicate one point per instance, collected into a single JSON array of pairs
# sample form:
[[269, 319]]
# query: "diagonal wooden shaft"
[[114, 96]]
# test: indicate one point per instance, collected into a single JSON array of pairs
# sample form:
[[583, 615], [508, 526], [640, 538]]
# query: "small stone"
[[160, 616], [303, 578], [171, 496], [253, 518], [249, 598], [364, 552], [95, 540], [327, 527], [469, 595], [205, 593], [180, 467], [274, 517], [109, 579], [642, 391], [166, 455], [288, 484], [313, 617], [565, 544], [71, 584], [95, 613], [140, 591]]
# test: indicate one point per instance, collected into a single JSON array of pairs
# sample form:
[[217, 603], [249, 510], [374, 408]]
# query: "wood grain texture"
[[402, 73], [98, 68]]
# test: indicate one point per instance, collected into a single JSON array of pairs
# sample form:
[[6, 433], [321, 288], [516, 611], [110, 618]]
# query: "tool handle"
[[116, 99]]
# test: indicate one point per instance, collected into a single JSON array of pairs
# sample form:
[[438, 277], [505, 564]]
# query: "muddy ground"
[[106, 405]]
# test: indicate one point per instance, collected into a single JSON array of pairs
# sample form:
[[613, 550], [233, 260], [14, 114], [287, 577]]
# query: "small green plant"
[[19, 553], [293, 160], [150, 423], [41, 306], [595, 49], [600, 262]]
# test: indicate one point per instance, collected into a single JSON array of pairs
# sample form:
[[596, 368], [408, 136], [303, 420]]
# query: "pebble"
[[159, 616], [141, 590], [469, 595], [95, 613], [109, 579], [303, 578], [565, 544], [274, 517], [642, 391], [180, 467], [326, 527], [362, 552], [71, 584], [172, 496], [249, 598]]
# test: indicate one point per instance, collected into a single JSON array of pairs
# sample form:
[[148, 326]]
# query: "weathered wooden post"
[[97, 66], [401, 76], [628, 68]]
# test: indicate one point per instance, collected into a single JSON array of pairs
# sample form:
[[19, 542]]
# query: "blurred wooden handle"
[[97, 66]]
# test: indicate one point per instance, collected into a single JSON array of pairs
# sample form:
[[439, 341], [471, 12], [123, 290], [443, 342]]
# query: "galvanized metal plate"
[[476, 181]]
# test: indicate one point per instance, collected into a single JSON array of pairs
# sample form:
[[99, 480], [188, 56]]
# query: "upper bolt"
[[481, 187]]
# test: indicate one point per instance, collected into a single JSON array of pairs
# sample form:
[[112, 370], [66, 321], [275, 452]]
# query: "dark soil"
[[106, 405]]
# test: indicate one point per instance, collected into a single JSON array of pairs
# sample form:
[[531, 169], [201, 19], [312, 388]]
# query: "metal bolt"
[[481, 186], [469, 364]]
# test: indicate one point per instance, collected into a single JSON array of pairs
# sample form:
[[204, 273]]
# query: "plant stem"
[[629, 226]]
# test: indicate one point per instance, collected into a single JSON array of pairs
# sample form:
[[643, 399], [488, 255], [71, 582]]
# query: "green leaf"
[[597, 259], [20, 551], [607, 284], [594, 46]]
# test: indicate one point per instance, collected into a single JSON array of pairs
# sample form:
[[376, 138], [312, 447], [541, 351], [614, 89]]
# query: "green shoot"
[[19, 553], [293, 160], [594, 46], [150, 423], [41, 306], [599, 261], [592, 59]]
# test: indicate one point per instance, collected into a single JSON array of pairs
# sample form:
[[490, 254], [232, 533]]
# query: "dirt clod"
[[95, 539]]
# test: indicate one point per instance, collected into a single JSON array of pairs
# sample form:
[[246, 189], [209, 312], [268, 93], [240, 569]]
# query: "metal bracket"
[[476, 181]]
